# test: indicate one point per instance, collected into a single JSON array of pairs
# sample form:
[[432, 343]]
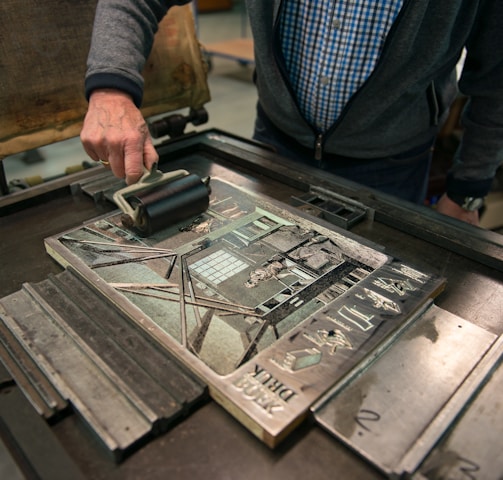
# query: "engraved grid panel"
[[218, 266]]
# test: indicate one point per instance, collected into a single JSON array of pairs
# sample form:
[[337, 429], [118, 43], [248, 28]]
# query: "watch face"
[[472, 203]]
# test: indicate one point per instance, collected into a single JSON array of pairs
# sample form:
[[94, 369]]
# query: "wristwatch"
[[467, 203]]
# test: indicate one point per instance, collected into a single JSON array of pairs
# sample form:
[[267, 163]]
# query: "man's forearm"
[[123, 35]]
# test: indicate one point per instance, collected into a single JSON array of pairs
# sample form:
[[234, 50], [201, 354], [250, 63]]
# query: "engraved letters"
[[298, 359], [329, 338], [380, 301], [411, 273], [353, 315], [263, 389], [394, 285]]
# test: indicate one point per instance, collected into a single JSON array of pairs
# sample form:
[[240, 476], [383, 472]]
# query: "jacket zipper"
[[319, 138], [318, 147]]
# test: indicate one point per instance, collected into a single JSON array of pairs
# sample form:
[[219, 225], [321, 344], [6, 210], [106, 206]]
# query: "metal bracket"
[[336, 209]]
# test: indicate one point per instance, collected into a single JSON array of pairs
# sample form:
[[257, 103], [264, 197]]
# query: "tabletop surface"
[[210, 443]]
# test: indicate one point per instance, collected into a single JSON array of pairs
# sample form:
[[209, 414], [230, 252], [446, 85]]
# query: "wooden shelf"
[[213, 5]]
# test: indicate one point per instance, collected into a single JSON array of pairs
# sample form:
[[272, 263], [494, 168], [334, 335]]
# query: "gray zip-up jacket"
[[398, 108]]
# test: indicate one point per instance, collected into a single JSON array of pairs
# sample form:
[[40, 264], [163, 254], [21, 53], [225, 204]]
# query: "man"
[[355, 88]]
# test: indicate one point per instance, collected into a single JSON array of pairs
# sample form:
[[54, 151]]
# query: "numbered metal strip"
[[472, 449], [395, 412]]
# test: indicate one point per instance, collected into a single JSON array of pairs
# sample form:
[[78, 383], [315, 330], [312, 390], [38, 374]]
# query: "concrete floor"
[[232, 107]]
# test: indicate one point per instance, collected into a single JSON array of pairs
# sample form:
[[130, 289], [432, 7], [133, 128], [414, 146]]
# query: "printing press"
[[292, 325]]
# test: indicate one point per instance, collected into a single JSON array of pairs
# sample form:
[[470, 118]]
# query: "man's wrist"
[[467, 203], [467, 193], [108, 92], [114, 82]]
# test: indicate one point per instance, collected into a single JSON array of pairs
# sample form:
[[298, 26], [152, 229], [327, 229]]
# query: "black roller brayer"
[[159, 200]]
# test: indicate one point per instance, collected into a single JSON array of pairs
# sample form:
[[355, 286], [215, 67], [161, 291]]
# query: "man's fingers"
[[115, 158], [89, 145], [150, 155], [133, 162]]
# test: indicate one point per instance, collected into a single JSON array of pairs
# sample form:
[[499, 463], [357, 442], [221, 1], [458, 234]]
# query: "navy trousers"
[[404, 175]]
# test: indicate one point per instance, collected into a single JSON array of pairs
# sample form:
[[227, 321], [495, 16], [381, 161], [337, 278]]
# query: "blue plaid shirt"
[[330, 48]]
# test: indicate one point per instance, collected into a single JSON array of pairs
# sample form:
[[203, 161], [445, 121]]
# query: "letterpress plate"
[[395, 412], [267, 305]]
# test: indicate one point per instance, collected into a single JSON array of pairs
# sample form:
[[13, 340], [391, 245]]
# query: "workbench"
[[210, 443]]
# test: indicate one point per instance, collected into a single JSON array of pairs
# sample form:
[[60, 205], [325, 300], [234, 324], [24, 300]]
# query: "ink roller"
[[159, 200]]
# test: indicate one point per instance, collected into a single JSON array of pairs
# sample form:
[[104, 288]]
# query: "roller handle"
[[148, 180]]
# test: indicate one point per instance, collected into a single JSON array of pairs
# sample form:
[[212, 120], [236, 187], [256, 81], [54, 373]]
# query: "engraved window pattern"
[[218, 267], [258, 228]]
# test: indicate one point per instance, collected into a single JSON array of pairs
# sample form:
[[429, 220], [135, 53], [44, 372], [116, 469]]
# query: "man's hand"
[[447, 207], [115, 131]]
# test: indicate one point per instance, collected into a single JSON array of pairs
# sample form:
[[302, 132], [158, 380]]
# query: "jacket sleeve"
[[481, 149], [123, 34]]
